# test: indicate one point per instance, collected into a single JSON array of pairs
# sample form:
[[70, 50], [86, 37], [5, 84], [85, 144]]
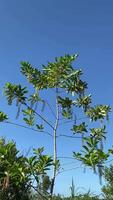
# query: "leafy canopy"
[[71, 96]]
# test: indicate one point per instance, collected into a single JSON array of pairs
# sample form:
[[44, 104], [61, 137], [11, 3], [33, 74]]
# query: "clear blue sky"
[[39, 30]]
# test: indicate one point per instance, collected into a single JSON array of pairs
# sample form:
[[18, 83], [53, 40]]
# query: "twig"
[[69, 169], [66, 157], [51, 109], [68, 136], [70, 121], [69, 163], [39, 192]]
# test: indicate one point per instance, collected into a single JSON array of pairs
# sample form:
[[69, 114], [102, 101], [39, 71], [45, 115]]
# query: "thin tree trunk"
[[55, 144]]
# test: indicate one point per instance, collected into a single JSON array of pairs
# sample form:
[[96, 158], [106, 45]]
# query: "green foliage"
[[98, 132], [46, 183], [29, 116], [66, 105], [33, 75], [51, 74], [107, 189], [91, 155], [3, 116], [40, 127], [84, 102], [15, 92], [39, 163], [98, 112], [87, 196], [71, 95], [17, 173], [14, 173], [81, 128]]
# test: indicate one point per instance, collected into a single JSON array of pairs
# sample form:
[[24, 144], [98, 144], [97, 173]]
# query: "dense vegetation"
[[18, 172]]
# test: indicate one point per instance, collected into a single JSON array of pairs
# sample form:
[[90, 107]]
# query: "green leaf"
[[29, 121], [3, 116], [86, 148], [40, 127], [38, 151], [67, 114], [13, 91], [84, 102], [98, 112], [81, 128], [98, 132]]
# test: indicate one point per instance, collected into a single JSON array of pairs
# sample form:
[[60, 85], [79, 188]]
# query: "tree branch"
[[51, 109], [76, 137], [68, 170], [70, 121], [22, 126], [45, 120]]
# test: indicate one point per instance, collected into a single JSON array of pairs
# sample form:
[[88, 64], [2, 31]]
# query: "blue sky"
[[37, 31]]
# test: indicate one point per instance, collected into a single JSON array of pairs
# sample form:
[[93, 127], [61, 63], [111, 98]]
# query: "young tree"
[[70, 95]]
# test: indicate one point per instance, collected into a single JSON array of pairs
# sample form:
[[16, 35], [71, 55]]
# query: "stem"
[[55, 144], [43, 197]]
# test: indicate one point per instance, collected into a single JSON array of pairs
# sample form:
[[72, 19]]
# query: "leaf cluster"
[[17, 173]]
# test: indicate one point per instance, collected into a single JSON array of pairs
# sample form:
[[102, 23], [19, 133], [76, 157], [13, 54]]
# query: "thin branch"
[[51, 109], [69, 163], [70, 121], [66, 157], [22, 126], [69, 169], [39, 193], [59, 92], [68, 136], [45, 120]]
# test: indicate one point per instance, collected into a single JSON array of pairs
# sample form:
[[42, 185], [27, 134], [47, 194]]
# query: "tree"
[[108, 188], [70, 94], [17, 172], [14, 176]]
